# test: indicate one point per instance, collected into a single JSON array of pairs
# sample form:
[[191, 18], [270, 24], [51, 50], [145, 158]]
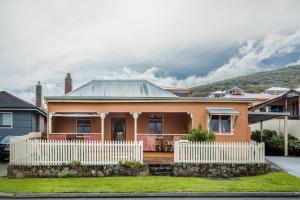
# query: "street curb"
[[149, 195]]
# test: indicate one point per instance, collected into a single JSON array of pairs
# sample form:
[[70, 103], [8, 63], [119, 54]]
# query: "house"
[[288, 102], [237, 92], [276, 90], [139, 110], [18, 117]]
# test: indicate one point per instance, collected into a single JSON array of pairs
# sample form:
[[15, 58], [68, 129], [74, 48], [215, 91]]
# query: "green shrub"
[[200, 134], [74, 164], [274, 142], [67, 173], [131, 164]]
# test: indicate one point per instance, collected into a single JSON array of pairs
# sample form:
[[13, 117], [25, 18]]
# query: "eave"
[[87, 99]]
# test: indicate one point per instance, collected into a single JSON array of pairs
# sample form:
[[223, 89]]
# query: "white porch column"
[[49, 123], [191, 115], [135, 117], [102, 116], [286, 136], [50, 116]]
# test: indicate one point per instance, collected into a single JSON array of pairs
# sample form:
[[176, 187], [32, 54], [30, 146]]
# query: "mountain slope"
[[257, 82]]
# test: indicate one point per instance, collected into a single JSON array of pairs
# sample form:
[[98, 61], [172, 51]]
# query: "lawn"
[[272, 182]]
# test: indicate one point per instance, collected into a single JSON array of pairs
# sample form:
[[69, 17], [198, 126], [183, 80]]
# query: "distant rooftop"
[[120, 88], [278, 88], [9, 101]]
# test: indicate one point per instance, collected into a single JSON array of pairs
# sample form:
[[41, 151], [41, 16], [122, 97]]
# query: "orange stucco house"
[[140, 110]]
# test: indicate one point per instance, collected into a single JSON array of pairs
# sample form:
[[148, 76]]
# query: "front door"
[[118, 129]]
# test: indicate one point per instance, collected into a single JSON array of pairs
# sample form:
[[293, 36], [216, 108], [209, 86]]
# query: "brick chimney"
[[68, 83], [38, 95]]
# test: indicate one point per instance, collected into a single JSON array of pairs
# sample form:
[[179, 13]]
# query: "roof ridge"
[[162, 91], [131, 80]]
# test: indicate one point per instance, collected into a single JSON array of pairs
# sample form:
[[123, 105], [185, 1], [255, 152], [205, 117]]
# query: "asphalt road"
[[171, 198]]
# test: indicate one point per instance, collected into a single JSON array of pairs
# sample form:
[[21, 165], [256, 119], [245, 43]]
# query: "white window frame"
[[232, 122], [12, 122]]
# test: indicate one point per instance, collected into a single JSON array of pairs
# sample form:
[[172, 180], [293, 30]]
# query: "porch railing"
[[74, 136], [219, 152], [25, 151], [159, 142]]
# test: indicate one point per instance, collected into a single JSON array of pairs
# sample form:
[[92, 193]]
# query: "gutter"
[[88, 99], [26, 109]]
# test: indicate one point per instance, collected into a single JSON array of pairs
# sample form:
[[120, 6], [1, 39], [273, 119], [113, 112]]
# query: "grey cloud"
[[185, 40]]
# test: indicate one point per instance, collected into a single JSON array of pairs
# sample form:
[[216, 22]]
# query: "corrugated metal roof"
[[120, 88], [222, 111], [254, 117]]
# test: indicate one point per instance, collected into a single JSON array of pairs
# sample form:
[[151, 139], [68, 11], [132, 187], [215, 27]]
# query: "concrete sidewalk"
[[289, 164]]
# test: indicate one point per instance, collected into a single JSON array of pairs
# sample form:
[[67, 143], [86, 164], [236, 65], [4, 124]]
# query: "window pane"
[[87, 129], [6, 120], [214, 123], [225, 124], [151, 127], [159, 127], [80, 129]]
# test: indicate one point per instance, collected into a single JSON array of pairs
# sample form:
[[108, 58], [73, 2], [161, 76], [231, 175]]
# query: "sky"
[[179, 43]]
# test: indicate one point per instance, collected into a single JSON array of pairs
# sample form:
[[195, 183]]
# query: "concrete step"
[[161, 169]]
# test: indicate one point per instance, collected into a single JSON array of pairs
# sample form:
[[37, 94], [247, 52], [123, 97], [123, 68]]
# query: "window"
[[5, 120], [220, 124], [294, 109], [277, 108], [83, 125], [155, 125]]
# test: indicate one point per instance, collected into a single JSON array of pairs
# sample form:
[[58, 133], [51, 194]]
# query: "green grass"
[[272, 182]]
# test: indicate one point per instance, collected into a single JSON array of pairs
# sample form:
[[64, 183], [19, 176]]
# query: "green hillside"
[[257, 82]]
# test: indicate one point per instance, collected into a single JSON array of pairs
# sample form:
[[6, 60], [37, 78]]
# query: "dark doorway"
[[118, 129]]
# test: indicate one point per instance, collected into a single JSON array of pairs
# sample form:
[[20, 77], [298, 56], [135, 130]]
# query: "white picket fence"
[[219, 152], [26, 151]]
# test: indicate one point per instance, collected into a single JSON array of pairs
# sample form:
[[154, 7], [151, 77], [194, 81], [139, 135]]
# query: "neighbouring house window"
[[263, 109], [5, 120], [220, 124], [83, 125], [294, 109], [277, 108], [155, 125]]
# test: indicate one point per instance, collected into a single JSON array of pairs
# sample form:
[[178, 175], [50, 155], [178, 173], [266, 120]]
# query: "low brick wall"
[[220, 170], [196, 170]]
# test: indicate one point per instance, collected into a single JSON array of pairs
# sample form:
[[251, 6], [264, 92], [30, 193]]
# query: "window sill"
[[224, 134], [5, 127]]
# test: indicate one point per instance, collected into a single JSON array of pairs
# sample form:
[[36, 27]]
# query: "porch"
[[158, 131]]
